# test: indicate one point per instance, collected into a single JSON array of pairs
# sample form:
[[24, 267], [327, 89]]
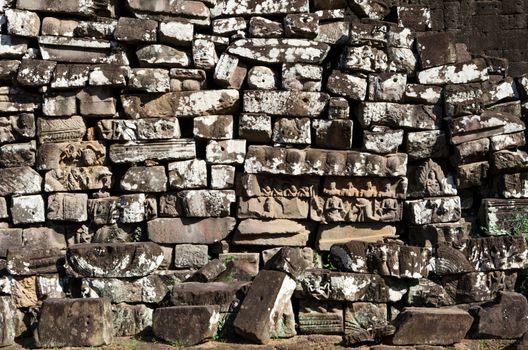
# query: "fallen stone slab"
[[429, 326], [114, 259], [185, 325], [264, 303], [506, 317], [227, 295], [74, 322]]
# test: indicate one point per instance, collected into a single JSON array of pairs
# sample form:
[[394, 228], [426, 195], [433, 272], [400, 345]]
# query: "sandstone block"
[[188, 174], [35, 72], [149, 289], [7, 318], [225, 295], [158, 55], [186, 325], [278, 232], [71, 207], [265, 302], [149, 79], [136, 31], [274, 51], [114, 260], [144, 179], [133, 152], [27, 209], [176, 32], [458, 73], [189, 256], [193, 231], [22, 23], [431, 326], [74, 322]]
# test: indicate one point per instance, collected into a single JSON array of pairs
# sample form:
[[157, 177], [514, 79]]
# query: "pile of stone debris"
[[253, 169]]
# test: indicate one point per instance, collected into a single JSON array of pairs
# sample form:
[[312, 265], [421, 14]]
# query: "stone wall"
[[249, 170], [494, 28]]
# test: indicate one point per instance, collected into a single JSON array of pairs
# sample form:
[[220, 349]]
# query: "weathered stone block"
[[301, 77], [261, 27], [188, 174], [186, 325], [273, 51], [176, 32], [458, 73], [255, 127], [144, 179], [27, 209], [226, 152], [347, 85], [204, 54], [157, 55], [278, 232], [149, 79], [181, 104], [433, 210], [327, 285], [227, 296], [18, 154], [68, 207], [17, 127], [133, 152], [149, 289], [426, 144], [74, 322], [382, 140], [194, 231], [331, 234], [136, 31], [215, 127], [320, 318], [68, 76], [334, 134], [35, 72], [222, 176], [22, 23], [292, 131], [131, 320], [190, 256], [266, 300], [8, 321], [388, 87], [262, 78], [431, 326], [436, 49], [114, 260], [78, 178]]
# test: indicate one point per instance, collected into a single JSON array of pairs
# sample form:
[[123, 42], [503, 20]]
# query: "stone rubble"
[[256, 169]]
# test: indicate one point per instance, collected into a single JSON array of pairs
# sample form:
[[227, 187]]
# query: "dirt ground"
[[303, 342]]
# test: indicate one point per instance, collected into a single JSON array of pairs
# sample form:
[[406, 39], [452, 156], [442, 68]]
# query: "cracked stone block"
[[188, 174]]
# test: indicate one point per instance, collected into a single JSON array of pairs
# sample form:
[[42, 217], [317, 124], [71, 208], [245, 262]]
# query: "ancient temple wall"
[[263, 168]]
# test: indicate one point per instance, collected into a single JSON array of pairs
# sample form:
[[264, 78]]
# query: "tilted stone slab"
[[114, 260], [266, 51], [187, 230], [181, 104], [271, 160], [19, 180], [285, 103], [345, 286], [264, 303], [149, 289], [74, 322], [429, 326], [133, 152], [259, 7]]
